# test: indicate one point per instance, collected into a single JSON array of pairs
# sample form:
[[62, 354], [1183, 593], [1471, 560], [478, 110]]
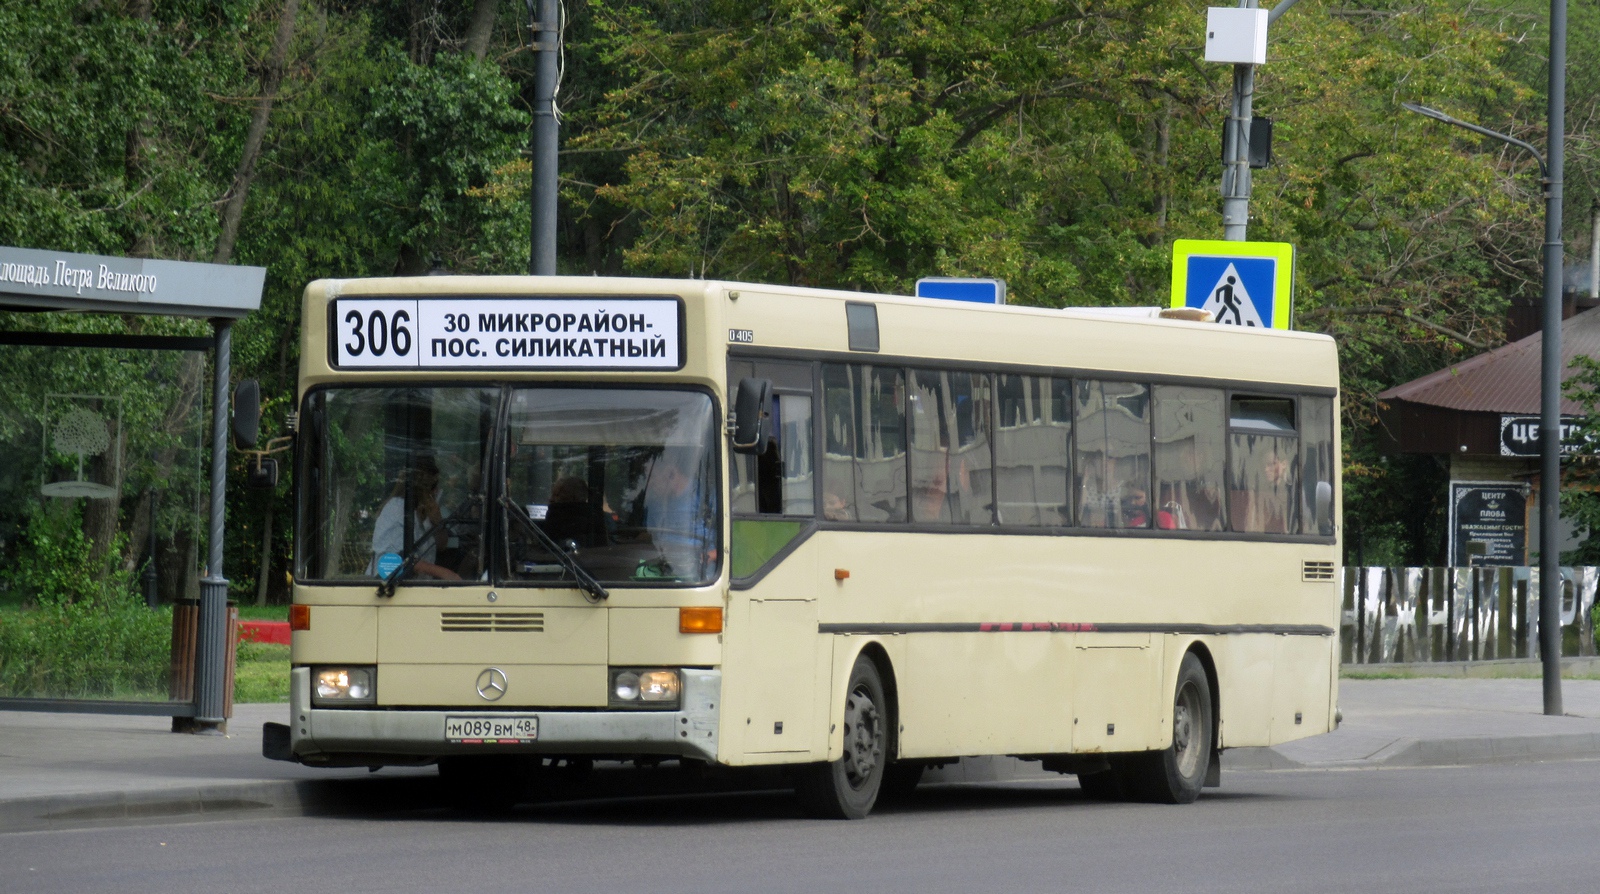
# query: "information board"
[[1488, 523]]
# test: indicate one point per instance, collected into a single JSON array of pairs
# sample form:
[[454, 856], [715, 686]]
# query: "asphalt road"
[[1531, 826]]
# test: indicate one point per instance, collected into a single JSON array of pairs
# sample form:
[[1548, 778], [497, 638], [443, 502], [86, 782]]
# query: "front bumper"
[[339, 737]]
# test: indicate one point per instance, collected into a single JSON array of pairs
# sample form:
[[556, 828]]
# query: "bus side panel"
[[776, 676], [1301, 688], [1245, 671], [1118, 693], [986, 693]]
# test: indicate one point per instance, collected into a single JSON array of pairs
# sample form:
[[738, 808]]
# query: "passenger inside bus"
[[676, 516], [420, 486]]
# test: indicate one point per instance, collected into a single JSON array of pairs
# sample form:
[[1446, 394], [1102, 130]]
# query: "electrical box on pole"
[[1238, 36]]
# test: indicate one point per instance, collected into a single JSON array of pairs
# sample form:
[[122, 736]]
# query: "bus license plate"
[[491, 729]]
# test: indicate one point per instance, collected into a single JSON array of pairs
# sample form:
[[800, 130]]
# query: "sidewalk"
[[77, 770]]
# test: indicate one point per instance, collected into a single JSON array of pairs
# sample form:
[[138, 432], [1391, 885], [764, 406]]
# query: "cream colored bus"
[[552, 519]]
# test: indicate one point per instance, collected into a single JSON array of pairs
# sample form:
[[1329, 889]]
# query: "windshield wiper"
[[586, 582], [409, 557]]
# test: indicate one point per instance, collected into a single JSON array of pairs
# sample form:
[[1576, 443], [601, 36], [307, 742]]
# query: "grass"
[[263, 612], [261, 673]]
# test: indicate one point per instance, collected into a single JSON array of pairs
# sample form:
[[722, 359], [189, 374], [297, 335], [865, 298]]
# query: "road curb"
[[91, 809], [1487, 750]]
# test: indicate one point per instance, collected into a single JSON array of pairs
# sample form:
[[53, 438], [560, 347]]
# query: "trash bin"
[[185, 638]]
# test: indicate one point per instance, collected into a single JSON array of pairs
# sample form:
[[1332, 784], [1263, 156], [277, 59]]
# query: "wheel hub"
[[863, 737], [1184, 745]]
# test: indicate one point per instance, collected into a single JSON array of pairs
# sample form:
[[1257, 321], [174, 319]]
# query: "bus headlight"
[[334, 686], [633, 687]]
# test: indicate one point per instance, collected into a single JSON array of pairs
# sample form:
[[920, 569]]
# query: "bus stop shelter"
[[35, 280]]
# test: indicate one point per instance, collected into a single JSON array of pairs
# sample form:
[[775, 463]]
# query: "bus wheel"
[[1175, 775], [848, 787]]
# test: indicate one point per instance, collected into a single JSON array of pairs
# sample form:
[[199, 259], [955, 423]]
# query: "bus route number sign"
[[506, 333]]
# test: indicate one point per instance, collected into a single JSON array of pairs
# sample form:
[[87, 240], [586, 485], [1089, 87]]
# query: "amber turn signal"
[[299, 617], [700, 619], [841, 573]]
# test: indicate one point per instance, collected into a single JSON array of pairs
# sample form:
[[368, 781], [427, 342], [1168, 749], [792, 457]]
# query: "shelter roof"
[[36, 279], [1506, 379]]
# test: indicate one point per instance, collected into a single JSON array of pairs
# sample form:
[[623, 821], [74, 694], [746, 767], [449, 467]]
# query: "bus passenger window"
[[864, 467], [1190, 460], [1265, 465], [1112, 422], [1316, 465], [950, 461], [780, 480], [796, 446], [1033, 448]]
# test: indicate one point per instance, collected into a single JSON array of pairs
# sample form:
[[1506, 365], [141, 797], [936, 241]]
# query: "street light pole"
[[1550, 378], [1550, 353]]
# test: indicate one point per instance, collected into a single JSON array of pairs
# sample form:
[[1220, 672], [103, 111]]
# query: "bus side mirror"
[[246, 414], [261, 473], [751, 415]]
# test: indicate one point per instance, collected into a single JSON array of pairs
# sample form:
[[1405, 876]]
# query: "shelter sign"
[[1519, 436], [1488, 523], [60, 280], [1241, 283]]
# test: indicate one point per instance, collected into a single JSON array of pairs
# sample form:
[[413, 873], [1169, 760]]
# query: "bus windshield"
[[622, 480]]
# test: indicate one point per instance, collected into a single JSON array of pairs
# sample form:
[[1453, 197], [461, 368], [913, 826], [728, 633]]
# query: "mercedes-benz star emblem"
[[492, 683]]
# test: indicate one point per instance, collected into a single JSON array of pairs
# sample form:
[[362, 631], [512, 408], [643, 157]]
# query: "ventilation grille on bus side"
[[1317, 571], [491, 622]]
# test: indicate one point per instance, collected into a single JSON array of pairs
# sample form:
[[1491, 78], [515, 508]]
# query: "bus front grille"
[[491, 622]]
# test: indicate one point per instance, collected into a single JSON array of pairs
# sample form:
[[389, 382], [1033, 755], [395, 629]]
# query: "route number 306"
[[377, 333]]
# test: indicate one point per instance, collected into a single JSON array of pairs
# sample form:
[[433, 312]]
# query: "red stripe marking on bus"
[[1036, 627]]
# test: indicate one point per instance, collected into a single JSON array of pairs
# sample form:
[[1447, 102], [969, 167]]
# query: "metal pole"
[[1594, 253], [1236, 175], [546, 42], [211, 646], [1236, 151], [1550, 372]]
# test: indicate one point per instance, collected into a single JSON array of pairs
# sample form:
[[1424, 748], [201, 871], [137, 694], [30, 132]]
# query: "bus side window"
[[1113, 429], [950, 456], [1316, 465], [864, 467], [1033, 449], [1190, 461], [1265, 465], [778, 480]]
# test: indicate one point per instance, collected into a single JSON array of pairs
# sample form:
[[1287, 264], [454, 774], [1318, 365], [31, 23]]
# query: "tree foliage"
[[1060, 144]]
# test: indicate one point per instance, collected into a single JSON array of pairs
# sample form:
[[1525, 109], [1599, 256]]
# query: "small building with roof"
[[1483, 415]]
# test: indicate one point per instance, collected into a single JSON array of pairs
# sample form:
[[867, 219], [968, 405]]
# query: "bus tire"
[[848, 787], [1176, 774]]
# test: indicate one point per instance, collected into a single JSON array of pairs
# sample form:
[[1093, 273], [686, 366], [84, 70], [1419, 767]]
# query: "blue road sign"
[[978, 291]]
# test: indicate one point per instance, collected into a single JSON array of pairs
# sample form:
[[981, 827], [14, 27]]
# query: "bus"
[[547, 521]]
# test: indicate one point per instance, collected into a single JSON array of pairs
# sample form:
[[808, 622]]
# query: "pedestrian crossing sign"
[[1242, 283]]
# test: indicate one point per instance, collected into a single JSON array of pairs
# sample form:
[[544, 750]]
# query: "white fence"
[[1409, 615]]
